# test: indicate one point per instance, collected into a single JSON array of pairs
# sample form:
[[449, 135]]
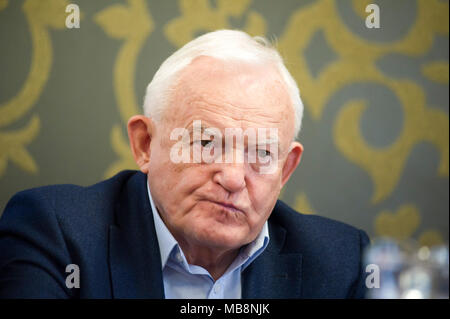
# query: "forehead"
[[232, 94]]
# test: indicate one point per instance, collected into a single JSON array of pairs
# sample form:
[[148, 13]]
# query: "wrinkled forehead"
[[232, 92]]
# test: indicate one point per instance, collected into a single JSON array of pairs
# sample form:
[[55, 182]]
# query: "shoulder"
[[316, 228], [66, 204], [42, 230], [332, 251]]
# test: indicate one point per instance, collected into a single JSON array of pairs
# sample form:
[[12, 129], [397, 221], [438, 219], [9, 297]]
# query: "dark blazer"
[[107, 230]]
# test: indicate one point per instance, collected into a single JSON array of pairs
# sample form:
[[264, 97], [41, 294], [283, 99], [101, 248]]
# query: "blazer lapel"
[[134, 257], [274, 274]]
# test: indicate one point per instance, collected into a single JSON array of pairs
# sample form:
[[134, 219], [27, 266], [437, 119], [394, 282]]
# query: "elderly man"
[[201, 219]]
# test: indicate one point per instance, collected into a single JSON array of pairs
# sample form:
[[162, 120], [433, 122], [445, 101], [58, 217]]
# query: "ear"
[[140, 131], [292, 161]]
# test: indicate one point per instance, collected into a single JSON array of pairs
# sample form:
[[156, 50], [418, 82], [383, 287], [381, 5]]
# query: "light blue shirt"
[[183, 281]]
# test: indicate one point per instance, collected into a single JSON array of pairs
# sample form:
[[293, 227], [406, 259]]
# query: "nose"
[[231, 177]]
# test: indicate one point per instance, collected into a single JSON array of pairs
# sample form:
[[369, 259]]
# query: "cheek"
[[170, 176], [177, 185], [263, 192]]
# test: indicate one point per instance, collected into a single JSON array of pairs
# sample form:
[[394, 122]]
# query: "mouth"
[[227, 206]]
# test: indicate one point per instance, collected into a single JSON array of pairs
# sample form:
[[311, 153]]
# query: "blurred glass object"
[[407, 271]]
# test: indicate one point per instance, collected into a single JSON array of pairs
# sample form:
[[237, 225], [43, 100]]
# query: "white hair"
[[225, 45]]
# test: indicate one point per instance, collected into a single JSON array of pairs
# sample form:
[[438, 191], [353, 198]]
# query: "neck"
[[215, 261]]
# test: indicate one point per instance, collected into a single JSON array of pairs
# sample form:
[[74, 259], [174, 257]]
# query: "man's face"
[[219, 205]]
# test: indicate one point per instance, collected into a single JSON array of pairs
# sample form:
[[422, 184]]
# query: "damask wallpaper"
[[376, 123]]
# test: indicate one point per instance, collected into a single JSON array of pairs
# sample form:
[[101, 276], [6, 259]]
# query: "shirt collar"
[[167, 242]]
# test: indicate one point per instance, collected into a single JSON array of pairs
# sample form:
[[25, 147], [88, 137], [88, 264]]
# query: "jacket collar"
[[134, 257], [275, 274]]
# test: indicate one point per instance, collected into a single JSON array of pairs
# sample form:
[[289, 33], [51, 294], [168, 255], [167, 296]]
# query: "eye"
[[205, 143], [263, 153]]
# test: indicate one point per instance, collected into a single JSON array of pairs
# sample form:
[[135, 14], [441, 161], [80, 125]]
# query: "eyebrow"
[[203, 128], [267, 141], [259, 141]]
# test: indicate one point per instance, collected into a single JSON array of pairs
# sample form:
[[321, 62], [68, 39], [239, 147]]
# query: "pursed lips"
[[227, 206]]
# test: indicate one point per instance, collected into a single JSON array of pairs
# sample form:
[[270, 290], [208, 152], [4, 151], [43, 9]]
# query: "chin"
[[222, 236]]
